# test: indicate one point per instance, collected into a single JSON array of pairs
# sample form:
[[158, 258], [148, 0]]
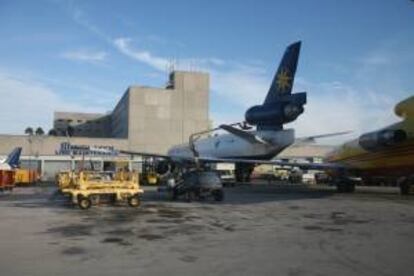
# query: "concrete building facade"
[[151, 119], [82, 124], [160, 118], [145, 119]]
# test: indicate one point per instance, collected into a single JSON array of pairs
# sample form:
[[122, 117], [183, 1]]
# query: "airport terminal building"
[[146, 119]]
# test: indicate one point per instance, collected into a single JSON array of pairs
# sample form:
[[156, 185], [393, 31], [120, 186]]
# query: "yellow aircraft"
[[388, 152]]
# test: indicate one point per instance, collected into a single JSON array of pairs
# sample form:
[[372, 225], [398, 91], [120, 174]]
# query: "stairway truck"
[[90, 188]]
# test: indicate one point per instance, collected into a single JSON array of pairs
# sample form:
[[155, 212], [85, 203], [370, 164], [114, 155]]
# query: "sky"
[[356, 59]]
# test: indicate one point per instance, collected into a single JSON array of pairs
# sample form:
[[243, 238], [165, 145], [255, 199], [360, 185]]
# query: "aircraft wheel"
[[350, 187], [84, 202], [243, 172], [218, 195], [190, 196], [174, 194], [341, 187], [134, 201], [344, 186], [238, 176], [405, 187]]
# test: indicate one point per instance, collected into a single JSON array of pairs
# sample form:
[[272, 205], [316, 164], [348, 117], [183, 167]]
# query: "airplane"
[[387, 152], [241, 144], [384, 153], [12, 160]]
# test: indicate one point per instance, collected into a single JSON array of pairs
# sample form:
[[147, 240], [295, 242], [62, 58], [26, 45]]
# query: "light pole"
[[30, 150]]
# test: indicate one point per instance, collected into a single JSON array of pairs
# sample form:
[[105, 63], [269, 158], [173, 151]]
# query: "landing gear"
[[406, 184], [218, 195], [243, 172], [344, 186]]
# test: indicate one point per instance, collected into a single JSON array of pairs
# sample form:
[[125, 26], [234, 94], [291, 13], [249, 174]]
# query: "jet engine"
[[285, 110], [378, 140]]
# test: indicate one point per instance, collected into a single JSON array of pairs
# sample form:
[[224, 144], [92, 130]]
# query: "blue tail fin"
[[283, 80], [14, 157], [280, 106]]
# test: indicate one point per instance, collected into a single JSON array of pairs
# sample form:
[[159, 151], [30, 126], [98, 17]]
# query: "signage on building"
[[69, 149]]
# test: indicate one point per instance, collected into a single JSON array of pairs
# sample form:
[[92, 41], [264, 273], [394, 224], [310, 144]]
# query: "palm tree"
[[28, 131], [39, 131]]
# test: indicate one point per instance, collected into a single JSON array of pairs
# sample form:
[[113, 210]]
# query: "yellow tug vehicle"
[[88, 188]]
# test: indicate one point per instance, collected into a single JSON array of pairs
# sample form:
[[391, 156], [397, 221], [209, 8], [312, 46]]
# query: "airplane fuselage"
[[394, 159], [234, 147]]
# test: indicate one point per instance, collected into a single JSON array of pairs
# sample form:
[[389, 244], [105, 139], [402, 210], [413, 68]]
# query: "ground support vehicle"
[[88, 188], [7, 180], [26, 177], [198, 185]]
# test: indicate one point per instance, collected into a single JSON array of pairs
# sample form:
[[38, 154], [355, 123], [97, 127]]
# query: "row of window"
[[79, 121]]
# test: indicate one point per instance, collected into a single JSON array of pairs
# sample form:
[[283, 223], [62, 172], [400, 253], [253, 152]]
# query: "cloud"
[[81, 18], [123, 45], [361, 104], [85, 55], [244, 88], [26, 102], [376, 59], [332, 106], [335, 106], [231, 80]]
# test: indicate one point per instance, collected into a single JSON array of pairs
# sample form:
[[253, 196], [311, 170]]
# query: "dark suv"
[[200, 185]]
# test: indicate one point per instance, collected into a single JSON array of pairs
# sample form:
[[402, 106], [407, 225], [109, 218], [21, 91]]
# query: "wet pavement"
[[257, 230]]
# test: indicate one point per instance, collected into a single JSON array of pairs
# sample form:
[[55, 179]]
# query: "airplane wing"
[[249, 137], [145, 154], [311, 139], [301, 165]]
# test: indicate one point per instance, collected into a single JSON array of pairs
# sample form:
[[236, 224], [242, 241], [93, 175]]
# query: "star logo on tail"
[[283, 80]]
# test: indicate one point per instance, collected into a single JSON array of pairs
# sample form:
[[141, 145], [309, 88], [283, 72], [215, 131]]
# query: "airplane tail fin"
[[280, 105], [14, 157], [283, 80]]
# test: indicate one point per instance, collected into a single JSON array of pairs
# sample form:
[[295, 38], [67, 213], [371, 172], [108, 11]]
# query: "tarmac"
[[259, 229]]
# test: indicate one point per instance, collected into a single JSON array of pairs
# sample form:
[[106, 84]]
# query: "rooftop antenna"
[[170, 66], [177, 63], [170, 70]]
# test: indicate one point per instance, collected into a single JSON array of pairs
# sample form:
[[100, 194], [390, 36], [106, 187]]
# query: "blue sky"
[[356, 61]]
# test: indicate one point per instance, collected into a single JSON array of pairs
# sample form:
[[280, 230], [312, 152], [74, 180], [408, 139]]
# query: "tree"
[[29, 131], [52, 132], [39, 131], [70, 131]]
